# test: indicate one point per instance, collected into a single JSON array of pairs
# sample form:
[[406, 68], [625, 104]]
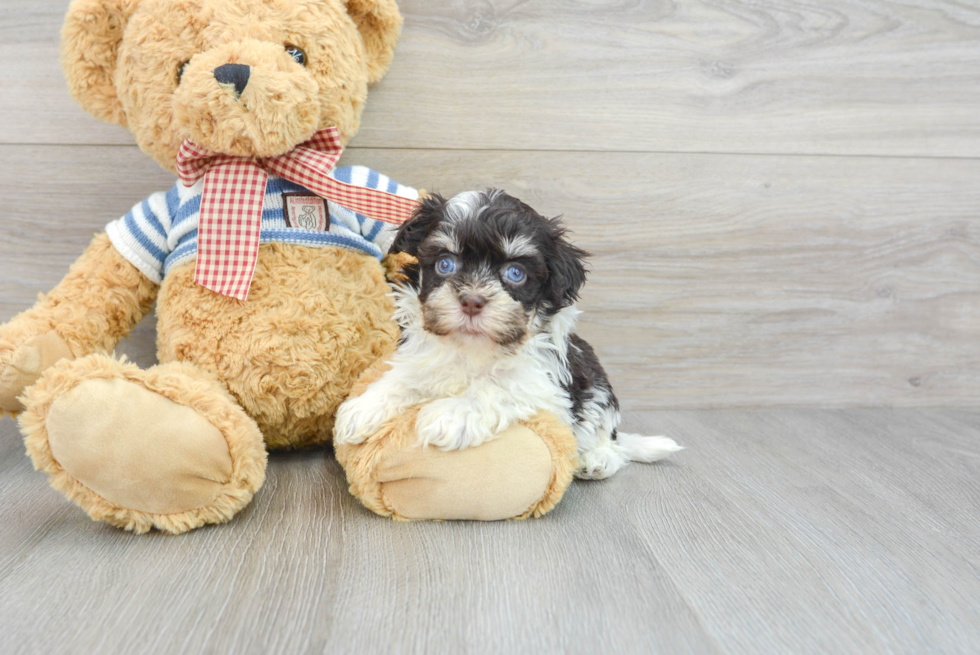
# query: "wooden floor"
[[783, 202], [776, 531]]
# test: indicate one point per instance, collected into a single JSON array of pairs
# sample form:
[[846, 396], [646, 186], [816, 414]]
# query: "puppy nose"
[[472, 305], [236, 74]]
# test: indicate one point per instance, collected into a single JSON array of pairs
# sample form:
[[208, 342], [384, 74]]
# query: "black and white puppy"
[[487, 317]]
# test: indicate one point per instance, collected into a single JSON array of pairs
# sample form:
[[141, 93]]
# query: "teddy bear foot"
[[521, 473], [165, 448]]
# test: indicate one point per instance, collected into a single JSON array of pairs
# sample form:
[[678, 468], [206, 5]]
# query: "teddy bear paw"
[[26, 366]]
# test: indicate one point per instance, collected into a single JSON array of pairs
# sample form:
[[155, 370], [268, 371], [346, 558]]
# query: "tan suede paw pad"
[[522, 473], [164, 448]]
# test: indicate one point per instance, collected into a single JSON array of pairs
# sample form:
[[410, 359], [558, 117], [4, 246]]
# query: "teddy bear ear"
[[380, 24], [90, 41]]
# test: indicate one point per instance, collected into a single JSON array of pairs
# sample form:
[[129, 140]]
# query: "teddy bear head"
[[239, 77]]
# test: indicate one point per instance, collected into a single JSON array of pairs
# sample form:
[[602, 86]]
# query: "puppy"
[[487, 316]]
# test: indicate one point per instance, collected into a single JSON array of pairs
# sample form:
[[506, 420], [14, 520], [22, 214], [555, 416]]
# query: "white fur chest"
[[468, 388]]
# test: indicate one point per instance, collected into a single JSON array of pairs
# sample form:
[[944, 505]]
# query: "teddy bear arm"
[[98, 302]]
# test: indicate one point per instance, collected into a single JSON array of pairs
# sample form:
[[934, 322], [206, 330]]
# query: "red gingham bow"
[[234, 196]]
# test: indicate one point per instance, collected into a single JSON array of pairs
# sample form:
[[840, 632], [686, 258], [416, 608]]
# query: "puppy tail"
[[646, 449]]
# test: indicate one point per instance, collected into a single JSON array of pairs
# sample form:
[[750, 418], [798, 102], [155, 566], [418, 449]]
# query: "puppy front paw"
[[357, 420], [450, 424]]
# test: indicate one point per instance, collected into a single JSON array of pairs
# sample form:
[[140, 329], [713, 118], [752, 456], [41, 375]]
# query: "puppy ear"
[[566, 269], [380, 24], [413, 232], [405, 248], [90, 39]]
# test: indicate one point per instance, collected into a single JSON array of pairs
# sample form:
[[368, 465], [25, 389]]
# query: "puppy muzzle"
[[474, 313]]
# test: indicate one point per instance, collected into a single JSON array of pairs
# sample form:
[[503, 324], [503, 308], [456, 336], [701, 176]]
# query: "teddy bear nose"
[[236, 74]]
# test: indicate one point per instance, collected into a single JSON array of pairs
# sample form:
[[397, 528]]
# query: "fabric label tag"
[[306, 211]]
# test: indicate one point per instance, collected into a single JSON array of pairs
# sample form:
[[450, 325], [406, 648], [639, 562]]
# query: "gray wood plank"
[[306, 569], [79, 586], [556, 585], [717, 281], [820, 76], [804, 531], [792, 521]]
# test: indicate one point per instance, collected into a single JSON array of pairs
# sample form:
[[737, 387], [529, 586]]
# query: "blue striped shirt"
[[161, 232]]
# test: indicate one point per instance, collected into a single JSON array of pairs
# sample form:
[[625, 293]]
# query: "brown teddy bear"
[[271, 306]]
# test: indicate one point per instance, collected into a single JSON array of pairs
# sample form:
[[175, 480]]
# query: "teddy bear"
[[267, 266]]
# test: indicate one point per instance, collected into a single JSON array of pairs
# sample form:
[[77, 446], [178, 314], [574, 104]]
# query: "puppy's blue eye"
[[515, 274], [298, 55], [446, 265]]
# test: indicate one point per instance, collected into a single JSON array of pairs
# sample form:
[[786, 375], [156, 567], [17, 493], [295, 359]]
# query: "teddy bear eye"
[[297, 54], [180, 70]]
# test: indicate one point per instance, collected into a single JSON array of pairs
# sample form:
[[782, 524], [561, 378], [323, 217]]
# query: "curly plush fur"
[[100, 300], [275, 367], [314, 321], [123, 58], [316, 318]]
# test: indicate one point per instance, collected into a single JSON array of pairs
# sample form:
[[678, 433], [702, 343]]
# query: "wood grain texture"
[[776, 531], [717, 281], [816, 76], [831, 518]]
